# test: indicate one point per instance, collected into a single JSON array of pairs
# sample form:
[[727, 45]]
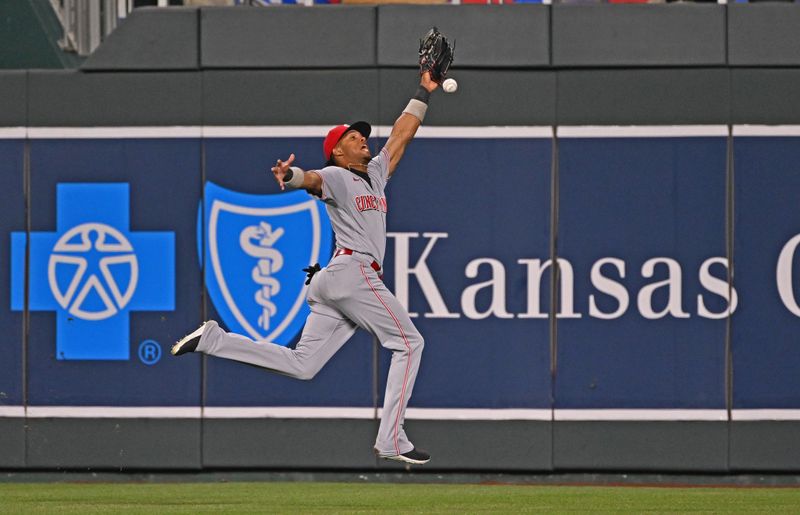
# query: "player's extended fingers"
[[281, 168], [279, 174]]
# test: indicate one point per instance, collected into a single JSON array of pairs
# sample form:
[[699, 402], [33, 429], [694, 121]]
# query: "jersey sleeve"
[[379, 165], [333, 187]]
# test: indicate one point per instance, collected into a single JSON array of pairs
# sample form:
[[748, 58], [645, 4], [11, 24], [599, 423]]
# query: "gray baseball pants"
[[345, 295]]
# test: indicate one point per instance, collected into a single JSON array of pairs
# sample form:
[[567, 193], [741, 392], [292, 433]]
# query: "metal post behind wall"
[[110, 16], [87, 26], [66, 15], [86, 23]]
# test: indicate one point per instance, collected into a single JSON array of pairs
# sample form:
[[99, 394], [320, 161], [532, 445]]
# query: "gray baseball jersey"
[[357, 206], [345, 295]]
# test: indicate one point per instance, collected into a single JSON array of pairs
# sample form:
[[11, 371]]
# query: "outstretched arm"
[[409, 121], [294, 177]]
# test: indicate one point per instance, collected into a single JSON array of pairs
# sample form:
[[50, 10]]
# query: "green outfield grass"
[[303, 497]]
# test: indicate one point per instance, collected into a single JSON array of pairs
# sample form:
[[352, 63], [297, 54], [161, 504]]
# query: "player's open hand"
[[426, 82], [281, 168]]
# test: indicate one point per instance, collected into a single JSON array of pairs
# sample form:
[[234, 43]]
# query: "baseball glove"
[[435, 55]]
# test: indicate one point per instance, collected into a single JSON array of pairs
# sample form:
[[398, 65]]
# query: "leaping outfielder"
[[349, 292]]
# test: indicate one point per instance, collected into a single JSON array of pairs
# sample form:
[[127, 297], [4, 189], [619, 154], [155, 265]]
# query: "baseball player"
[[349, 292]]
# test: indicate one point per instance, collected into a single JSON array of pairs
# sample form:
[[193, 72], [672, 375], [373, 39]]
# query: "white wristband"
[[298, 175], [416, 108]]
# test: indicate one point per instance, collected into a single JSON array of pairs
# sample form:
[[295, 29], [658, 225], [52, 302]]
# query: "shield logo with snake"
[[256, 247]]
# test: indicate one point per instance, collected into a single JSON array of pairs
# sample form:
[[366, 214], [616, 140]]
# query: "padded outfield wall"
[[134, 187]]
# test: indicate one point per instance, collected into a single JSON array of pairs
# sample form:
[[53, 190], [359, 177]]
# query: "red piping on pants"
[[408, 363]]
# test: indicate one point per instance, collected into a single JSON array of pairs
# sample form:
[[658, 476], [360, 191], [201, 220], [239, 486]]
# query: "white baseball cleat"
[[189, 342], [413, 456]]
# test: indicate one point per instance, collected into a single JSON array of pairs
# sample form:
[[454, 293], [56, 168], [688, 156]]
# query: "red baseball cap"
[[335, 134]]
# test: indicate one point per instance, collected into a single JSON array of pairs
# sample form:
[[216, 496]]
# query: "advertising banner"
[[135, 240], [643, 270], [113, 273], [461, 271], [258, 239], [469, 232], [766, 347], [12, 203]]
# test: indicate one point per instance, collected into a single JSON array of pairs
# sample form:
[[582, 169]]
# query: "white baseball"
[[449, 85]]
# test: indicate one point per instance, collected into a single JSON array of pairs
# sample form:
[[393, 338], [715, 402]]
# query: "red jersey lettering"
[[371, 203]]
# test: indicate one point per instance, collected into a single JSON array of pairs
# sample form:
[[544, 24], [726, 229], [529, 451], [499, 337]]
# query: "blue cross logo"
[[93, 271]]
